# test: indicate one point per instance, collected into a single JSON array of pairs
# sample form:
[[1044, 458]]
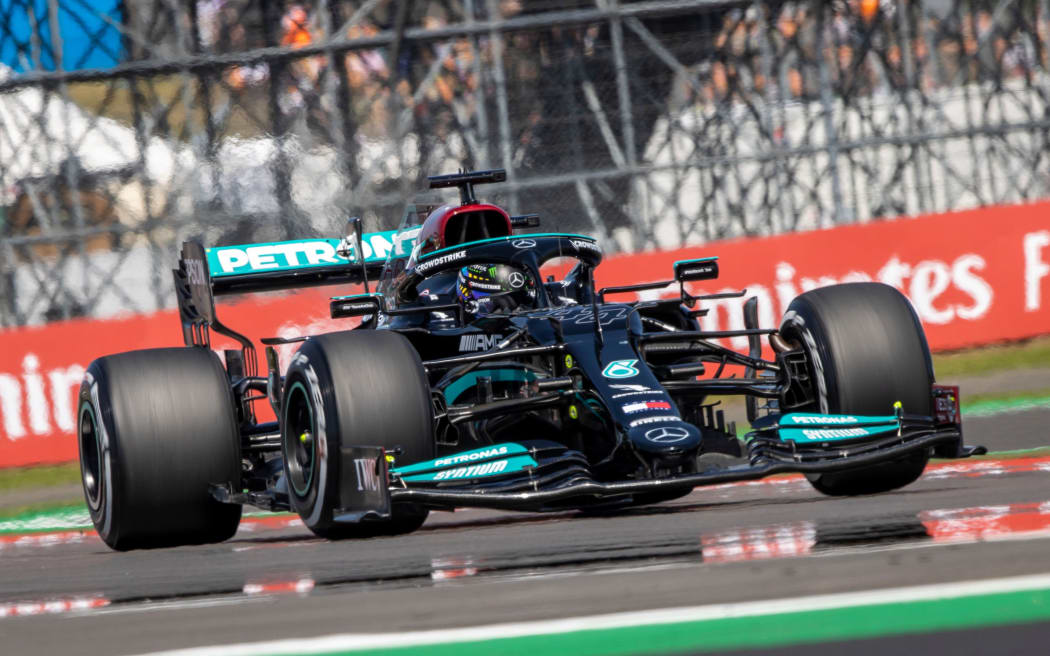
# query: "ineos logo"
[[665, 434], [516, 280], [523, 243]]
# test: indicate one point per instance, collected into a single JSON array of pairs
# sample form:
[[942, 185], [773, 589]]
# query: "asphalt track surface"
[[718, 545]]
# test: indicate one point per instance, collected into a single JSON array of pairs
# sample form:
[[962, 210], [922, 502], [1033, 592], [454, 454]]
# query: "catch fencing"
[[652, 124]]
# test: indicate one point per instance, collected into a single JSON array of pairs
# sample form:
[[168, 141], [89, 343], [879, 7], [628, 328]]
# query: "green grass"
[[45, 476], [969, 399], [1030, 354], [45, 479], [72, 503]]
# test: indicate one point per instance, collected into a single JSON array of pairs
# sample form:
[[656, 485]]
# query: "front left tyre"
[[155, 429], [353, 388]]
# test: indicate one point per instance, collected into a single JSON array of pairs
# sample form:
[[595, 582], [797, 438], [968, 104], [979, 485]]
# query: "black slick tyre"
[[155, 429], [365, 388], [867, 350]]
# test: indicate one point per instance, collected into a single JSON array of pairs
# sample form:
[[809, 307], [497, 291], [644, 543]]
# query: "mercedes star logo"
[[665, 434], [516, 280], [523, 243]]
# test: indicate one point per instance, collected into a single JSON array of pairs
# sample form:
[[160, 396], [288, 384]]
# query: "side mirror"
[[356, 305], [704, 268], [353, 227], [351, 245]]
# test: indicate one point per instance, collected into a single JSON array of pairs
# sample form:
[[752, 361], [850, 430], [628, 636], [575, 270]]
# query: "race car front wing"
[[768, 456], [541, 475]]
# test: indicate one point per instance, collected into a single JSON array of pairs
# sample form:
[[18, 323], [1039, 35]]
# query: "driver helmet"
[[491, 288]]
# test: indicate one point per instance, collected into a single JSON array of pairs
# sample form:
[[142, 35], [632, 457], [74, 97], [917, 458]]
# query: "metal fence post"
[[831, 141], [500, 79], [278, 126], [482, 113], [637, 181]]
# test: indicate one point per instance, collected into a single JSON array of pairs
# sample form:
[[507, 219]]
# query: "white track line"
[[361, 641], [187, 604]]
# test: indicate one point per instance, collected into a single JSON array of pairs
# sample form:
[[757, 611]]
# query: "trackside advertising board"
[[974, 277]]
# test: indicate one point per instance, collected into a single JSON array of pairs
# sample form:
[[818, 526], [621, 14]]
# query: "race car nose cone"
[[664, 437]]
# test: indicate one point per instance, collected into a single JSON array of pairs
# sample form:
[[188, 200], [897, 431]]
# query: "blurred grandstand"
[[127, 127]]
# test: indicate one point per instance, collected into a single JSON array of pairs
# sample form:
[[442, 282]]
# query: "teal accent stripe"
[[468, 244], [462, 384], [699, 259]]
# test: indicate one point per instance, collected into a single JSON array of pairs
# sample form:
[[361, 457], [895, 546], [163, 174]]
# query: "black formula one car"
[[472, 381]]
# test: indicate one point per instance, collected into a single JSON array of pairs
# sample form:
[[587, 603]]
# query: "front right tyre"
[[866, 350]]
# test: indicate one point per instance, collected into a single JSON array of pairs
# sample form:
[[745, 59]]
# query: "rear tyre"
[[364, 388], [155, 429], [867, 350]]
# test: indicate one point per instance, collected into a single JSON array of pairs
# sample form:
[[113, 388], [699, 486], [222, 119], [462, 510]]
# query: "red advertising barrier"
[[974, 277], [41, 367]]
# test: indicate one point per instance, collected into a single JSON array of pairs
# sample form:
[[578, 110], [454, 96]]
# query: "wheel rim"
[[300, 448], [90, 455]]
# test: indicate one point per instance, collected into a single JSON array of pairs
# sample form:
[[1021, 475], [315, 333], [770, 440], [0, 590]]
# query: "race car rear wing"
[[301, 263], [204, 273]]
